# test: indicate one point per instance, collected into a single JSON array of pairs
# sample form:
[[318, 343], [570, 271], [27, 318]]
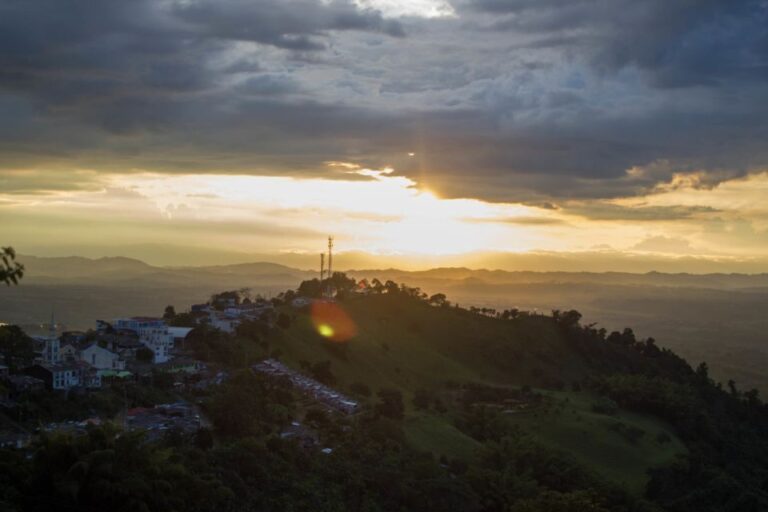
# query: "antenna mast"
[[330, 256], [322, 266]]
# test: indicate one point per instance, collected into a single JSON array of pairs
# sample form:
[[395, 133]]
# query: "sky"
[[622, 134]]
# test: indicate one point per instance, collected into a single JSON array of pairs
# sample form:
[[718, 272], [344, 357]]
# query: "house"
[[200, 308], [250, 309], [138, 323], [126, 346], [69, 353], [57, 376], [90, 377], [221, 322], [101, 358], [179, 335], [301, 302]]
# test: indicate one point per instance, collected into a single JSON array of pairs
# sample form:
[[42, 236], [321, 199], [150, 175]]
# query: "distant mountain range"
[[120, 269]]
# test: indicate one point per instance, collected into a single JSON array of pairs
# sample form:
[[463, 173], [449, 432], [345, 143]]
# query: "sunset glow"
[[380, 212]]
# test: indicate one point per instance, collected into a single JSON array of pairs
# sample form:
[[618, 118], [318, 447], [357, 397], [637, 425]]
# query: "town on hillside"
[[141, 353]]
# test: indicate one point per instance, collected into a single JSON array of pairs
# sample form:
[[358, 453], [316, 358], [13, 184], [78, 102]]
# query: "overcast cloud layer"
[[507, 100]]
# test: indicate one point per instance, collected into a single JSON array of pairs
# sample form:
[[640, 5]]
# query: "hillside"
[[470, 367], [410, 346]]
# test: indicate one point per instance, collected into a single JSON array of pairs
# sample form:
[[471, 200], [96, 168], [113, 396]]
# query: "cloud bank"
[[503, 100]]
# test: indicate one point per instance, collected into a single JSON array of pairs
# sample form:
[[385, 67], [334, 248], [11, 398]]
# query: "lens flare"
[[332, 322], [325, 330]]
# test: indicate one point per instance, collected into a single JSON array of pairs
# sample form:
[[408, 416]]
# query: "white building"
[[153, 333], [49, 348], [301, 302], [221, 322], [57, 376], [101, 358], [159, 341]]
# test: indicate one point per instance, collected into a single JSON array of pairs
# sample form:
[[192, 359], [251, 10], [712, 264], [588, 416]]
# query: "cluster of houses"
[[83, 360], [310, 387], [120, 348], [226, 313], [78, 359]]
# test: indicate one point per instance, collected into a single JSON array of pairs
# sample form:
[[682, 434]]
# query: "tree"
[[10, 269], [183, 320], [438, 299], [17, 347], [170, 312], [310, 288], [510, 314], [377, 286], [391, 287], [567, 319], [145, 355]]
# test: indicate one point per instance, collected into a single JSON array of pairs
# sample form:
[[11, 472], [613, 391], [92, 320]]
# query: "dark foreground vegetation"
[[479, 378]]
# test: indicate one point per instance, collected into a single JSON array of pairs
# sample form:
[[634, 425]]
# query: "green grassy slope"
[[410, 345], [599, 441]]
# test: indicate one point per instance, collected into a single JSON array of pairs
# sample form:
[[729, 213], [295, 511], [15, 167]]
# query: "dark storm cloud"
[[679, 43], [523, 100], [292, 24]]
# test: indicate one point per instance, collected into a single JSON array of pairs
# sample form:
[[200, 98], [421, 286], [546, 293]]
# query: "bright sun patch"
[[332, 322], [325, 330]]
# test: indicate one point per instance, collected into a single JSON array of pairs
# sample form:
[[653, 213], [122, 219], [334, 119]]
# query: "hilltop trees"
[[312, 288], [439, 299], [338, 284], [169, 313]]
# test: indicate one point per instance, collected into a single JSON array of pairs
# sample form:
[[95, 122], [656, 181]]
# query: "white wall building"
[[221, 322], [64, 376], [101, 358], [153, 333], [50, 348], [159, 341]]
